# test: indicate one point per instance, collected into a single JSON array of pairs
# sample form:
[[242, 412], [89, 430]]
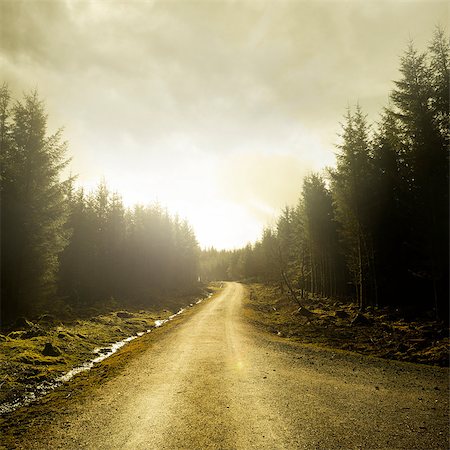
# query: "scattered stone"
[[51, 350], [124, 315]]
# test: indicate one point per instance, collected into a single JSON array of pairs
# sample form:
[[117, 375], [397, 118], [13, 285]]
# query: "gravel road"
[[215, 381]]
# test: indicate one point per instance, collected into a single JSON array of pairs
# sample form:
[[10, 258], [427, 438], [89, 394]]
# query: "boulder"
[[51, 350]]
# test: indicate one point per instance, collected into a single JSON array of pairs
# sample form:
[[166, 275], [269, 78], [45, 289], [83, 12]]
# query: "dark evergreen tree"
[[33, 206], [326, 266], [354, 198], [420, 110]]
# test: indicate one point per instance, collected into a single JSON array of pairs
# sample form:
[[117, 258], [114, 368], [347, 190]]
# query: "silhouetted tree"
[[33, 205]]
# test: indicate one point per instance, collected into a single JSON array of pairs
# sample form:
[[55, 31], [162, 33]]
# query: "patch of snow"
[[103, 352]]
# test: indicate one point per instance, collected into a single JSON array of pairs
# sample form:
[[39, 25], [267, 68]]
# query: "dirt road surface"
[[215, 381]]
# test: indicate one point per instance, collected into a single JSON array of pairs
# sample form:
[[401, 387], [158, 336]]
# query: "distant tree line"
[[375, 227], [61, 247]]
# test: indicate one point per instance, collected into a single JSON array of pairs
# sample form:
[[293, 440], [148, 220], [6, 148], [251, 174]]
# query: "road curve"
[[216, 382]]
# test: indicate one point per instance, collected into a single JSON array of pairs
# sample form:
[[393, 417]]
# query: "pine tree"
[[353, 200], [33, 209], [321, 237], [439, 51], [420, 108]]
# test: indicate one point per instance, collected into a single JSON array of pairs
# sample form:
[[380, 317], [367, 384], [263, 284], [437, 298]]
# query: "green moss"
[[21, 359], [17, 427], [37, 359]]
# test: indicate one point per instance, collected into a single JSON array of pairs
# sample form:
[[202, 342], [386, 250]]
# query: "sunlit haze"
[[216, 110]]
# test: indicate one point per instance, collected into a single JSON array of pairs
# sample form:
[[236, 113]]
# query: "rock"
[[23, 324], [341, 314], [124, 315], [51, 350], [361, 319]]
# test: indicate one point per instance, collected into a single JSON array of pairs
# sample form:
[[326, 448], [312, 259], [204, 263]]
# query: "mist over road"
[[215, 381]]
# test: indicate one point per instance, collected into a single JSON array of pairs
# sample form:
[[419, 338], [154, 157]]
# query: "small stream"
[[102, 353]]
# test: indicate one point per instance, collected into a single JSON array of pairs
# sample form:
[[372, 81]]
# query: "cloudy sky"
[[215, 109]]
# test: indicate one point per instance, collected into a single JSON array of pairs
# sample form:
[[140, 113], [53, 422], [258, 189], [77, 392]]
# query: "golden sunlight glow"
[[216, 110]]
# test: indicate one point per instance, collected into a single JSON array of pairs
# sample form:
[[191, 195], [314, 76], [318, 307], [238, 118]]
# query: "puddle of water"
[[103, 352]]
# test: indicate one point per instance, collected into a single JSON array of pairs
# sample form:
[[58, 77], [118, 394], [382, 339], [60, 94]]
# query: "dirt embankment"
[[379, 332]]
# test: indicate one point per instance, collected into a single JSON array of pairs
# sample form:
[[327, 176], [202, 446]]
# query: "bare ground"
[[213, 380], [382, 332]]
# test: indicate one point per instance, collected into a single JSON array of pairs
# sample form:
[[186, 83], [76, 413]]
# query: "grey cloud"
[[130, 78]]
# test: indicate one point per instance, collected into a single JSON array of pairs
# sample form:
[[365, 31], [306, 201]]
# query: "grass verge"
[[23, 365]]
